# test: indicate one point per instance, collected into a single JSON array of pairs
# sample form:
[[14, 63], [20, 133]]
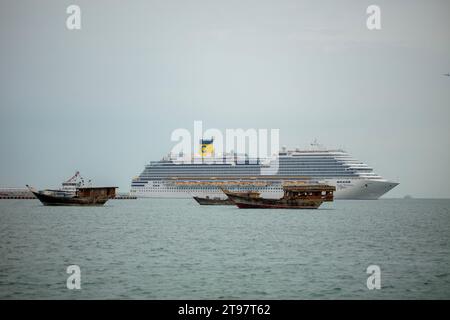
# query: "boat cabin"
[[319, 191]]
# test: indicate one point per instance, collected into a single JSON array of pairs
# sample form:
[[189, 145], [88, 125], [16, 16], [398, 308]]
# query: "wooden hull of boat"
[[49, 200], [261, 203], [213, 202]]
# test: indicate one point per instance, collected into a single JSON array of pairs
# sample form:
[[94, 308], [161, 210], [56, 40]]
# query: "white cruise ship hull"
[[364, 189], [354, 189]]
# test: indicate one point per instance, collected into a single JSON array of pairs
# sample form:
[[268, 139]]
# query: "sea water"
[[176, 249]]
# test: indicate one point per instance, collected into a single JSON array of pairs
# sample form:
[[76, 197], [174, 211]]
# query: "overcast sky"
[[105, 99]]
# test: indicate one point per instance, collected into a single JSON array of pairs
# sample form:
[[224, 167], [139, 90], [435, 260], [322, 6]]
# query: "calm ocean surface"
[[176, 249]]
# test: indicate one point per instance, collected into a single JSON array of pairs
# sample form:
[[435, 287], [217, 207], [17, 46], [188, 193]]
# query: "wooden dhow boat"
[[74, 193], [83, 196], [295, 197], [215, 201]]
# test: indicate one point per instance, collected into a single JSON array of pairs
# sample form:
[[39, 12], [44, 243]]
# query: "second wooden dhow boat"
[[295, 197]]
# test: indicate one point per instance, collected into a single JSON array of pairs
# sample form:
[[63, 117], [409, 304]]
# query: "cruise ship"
[[173, 177]]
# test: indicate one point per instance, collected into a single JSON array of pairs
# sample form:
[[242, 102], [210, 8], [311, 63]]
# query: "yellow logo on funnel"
[[207, 147]]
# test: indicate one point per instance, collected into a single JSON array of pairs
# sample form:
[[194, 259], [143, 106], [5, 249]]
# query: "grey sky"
[[104, 100]]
